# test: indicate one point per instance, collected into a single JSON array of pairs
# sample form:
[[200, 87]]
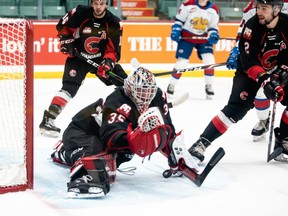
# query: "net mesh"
[[12, 96]]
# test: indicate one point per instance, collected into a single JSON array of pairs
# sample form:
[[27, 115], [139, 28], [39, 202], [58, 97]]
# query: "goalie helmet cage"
[[16, 108]]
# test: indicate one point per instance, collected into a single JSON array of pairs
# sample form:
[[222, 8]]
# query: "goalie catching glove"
[[151, 135]]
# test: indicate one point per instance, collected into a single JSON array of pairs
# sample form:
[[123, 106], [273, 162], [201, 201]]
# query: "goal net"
[[16, 107]]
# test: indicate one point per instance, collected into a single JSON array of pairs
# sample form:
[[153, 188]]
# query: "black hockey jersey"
[[98, 38], [119, 111], [262, 49]]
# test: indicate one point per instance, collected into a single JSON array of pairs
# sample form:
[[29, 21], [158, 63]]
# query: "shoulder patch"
[[189, 2], [247, 33]]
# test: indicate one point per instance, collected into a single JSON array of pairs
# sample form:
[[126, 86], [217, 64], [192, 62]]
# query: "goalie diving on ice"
[[134, 120]]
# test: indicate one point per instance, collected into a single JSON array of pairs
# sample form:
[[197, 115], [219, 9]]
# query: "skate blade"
[[93, 193], [259, 138], [281, 158], [50, 134], [209, 97]]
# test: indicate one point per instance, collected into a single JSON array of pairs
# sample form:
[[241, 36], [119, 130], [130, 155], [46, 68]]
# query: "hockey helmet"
[[99, 1], [271, 2], [140, 86]]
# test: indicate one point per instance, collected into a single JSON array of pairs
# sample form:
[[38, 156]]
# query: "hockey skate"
[[47, 126], [281, 143], [170, 89], [83, 187], [260, 129], [209, 92], [197, 149], [92, 176], [58, 156]]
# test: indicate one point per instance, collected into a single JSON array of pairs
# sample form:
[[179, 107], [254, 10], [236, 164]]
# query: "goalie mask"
[[140, 86]]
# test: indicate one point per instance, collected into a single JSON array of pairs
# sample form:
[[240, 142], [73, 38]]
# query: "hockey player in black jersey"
[[263, 61], [134, 120], [95, 32]]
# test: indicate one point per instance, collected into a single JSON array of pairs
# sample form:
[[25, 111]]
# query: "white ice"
[[243, 183]]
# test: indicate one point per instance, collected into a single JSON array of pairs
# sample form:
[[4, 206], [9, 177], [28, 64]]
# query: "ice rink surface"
[[243, 183]]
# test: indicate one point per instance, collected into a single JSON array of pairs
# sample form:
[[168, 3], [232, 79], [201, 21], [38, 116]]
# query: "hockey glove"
[[176, 32], [271, 85], [282, 74], [67, 45], [231, 63], [213, 38], [106, 65]]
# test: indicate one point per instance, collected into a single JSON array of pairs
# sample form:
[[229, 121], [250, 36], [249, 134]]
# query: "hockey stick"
[[196, 178], [171, 104], [278, 150], [205, 38], [94, 64], [190, 69]]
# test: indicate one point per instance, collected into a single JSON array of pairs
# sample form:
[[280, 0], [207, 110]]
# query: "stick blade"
[[211, 164], [179, 100], [135, 63], [274, 154]]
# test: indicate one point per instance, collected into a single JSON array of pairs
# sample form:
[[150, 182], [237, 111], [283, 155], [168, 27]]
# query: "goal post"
[[16, 107]]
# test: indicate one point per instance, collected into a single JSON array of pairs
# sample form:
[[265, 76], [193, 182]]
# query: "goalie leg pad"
[[92, 176]]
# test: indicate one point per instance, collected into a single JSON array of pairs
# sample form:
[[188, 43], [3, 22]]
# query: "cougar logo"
[[243, 95], [267, 59]]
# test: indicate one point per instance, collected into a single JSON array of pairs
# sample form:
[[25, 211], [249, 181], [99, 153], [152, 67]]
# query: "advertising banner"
[[149, 42]]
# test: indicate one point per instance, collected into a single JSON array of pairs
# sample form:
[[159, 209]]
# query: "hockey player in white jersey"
[[262, 104], [196, 26]]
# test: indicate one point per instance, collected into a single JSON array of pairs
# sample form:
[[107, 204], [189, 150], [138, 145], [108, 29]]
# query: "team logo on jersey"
[[243, 95], [72, 73], [124, 109], [87, 30], [199, 23], [247, 33]]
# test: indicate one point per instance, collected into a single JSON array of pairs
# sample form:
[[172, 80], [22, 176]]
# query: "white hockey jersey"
[[197, 20]]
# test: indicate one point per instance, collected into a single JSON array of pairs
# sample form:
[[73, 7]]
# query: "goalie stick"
[[190, 69], [134, 63], [196, 178]]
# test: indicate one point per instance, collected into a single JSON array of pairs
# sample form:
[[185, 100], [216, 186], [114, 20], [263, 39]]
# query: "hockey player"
[[196, 26], [93, 31], [135, 120], [261, 102], [263, 63]]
